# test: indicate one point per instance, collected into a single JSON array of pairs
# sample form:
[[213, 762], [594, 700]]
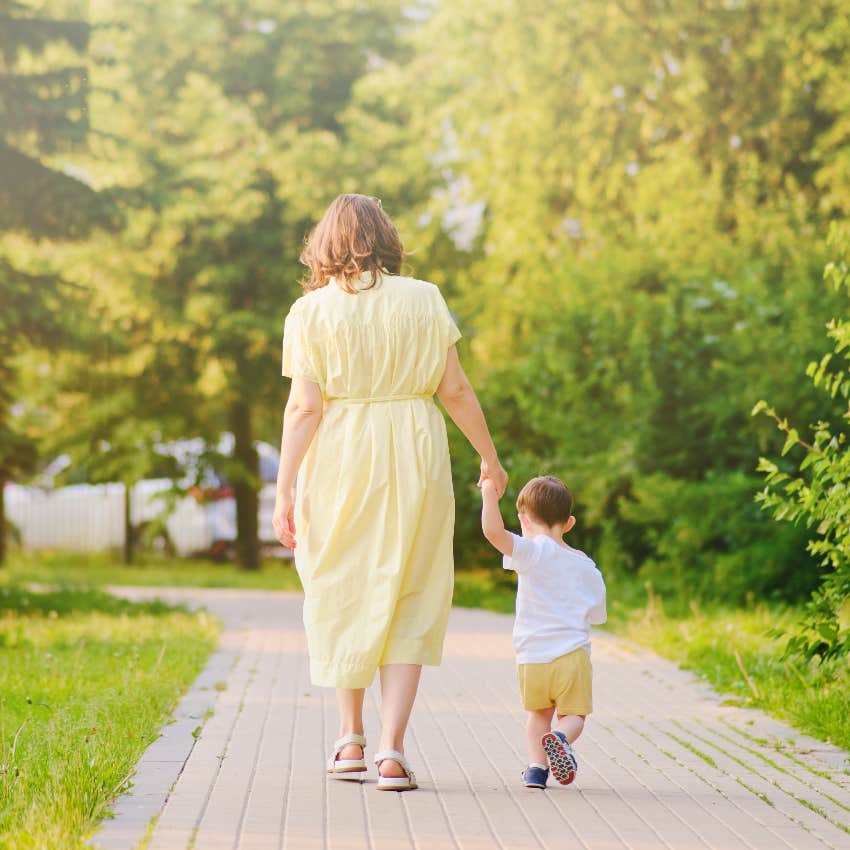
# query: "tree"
[[203, 152], [43, 96]]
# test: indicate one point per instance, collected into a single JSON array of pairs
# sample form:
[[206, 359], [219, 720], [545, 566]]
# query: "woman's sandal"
[[395, 783], [347, 768]]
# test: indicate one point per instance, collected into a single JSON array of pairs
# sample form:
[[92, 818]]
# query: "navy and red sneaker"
[[535, 776], [561, 757]]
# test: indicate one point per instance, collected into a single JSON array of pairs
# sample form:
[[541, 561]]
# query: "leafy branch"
[[818, 492]]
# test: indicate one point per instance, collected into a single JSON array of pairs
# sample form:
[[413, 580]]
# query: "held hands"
[[488, 488], [492, 475], [493, 481], [283, 520]]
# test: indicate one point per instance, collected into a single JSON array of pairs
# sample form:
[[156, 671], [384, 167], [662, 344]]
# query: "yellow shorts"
[[564, 684]]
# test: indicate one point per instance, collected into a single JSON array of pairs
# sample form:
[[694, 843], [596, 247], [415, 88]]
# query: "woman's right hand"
[[494, 472], [283, 520]]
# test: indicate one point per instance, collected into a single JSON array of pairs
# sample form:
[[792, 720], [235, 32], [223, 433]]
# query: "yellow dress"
[[374, 506]]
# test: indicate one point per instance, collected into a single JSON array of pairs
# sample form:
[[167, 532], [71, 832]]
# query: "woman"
[[367, 349]]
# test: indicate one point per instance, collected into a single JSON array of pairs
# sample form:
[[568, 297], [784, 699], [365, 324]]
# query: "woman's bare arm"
[[301, 419], [458, 397]]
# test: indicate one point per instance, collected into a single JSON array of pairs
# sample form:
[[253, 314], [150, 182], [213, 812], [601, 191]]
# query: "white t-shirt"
[[560, 592]]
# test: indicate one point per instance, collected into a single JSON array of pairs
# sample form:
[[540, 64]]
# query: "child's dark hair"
[[546, 499]]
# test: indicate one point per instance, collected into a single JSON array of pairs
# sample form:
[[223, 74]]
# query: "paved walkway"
[[663, 763]]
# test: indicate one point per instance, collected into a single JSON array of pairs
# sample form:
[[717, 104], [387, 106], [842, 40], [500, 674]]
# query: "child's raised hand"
[[487, 486], [495, 474]]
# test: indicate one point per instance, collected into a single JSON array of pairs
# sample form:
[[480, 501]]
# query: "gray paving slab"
[[664, 762]]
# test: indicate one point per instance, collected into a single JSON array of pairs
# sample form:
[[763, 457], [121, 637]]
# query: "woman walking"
[[373, 517]]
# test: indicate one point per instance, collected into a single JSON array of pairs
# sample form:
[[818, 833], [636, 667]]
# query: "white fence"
[[90, 518]]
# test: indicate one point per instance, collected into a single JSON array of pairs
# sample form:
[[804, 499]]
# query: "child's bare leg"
[[570, 724], [539, 723]]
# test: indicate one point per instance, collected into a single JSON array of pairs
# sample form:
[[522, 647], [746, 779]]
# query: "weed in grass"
[[781, 787], [801, 778], [763, 797], [149, 831], [696, 751]]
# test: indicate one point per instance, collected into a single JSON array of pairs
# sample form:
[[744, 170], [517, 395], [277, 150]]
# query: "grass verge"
[[86, 681], [73, 569]]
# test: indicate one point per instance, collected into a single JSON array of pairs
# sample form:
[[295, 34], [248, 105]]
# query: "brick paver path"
[[663, 763]]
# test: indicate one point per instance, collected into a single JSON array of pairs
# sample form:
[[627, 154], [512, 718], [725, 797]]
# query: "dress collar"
[[365, 278]]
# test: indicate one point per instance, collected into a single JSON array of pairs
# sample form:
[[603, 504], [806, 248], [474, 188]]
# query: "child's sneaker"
[[561, 757], [535, 776]]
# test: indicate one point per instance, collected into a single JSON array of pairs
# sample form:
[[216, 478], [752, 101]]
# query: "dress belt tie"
[[378, 399]]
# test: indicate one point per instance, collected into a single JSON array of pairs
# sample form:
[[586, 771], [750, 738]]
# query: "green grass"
[[814, 698], [73, 569], [86, 681]]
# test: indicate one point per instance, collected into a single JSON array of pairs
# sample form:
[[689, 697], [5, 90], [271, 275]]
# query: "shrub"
[[817, 492]]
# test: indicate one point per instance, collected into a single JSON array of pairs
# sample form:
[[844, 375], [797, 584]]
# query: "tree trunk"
[[2, 521], [128, 525], [245, 491]]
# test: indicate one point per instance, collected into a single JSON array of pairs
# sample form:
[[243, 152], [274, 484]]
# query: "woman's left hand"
[[283, 520], [493, 471]]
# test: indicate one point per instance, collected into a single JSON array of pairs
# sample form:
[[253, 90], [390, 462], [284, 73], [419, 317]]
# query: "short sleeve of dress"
[[449, 329], [300, 359]]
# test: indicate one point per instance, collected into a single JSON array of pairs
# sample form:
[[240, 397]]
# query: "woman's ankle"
[[392, 744]]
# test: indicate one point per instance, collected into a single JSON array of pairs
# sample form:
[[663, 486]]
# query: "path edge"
[[160, 766]]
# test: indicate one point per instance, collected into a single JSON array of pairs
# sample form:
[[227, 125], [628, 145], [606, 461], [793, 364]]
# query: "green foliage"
[[628, 219], [494, 590], [706, 540], [816, 494], [86, 681], [646, 193]]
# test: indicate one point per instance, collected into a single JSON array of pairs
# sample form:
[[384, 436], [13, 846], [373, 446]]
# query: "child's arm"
[[598, 613], [491, 520]]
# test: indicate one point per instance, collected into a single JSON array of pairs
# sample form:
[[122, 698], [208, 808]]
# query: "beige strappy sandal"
[[347, 768], [395, 783]]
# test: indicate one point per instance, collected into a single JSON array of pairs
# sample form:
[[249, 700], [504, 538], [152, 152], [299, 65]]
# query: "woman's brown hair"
[[354, 236]]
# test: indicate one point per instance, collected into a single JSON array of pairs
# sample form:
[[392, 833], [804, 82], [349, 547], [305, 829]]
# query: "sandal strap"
[[351, 738], [393, 755]]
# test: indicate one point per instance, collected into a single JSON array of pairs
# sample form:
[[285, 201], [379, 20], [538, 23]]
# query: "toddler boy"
[[560, 593]]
